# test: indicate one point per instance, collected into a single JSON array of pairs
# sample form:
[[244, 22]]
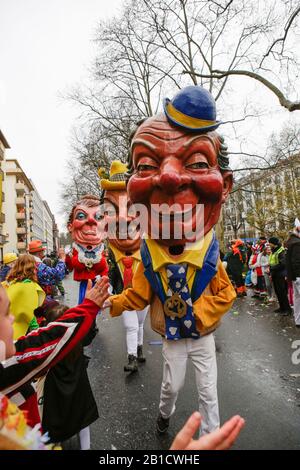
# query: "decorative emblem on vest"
[[175, 307]]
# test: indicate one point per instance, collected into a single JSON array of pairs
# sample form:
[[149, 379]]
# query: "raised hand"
[[221, 439], [61, 254], [98, 293]]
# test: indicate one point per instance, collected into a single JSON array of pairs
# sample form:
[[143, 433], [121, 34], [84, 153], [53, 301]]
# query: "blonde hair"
[[24, 268]]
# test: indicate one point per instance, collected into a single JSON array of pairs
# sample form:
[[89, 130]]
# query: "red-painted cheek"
[[139, 189], [209, 187], [78, 224]]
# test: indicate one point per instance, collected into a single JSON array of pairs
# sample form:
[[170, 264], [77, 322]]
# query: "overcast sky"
[[45, 47]]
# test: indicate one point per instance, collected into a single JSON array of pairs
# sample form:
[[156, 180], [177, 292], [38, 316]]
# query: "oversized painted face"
[[122, 231], [86, 227], [178, 169]]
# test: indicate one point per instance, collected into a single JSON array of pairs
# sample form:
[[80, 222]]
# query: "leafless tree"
[[263, 47]]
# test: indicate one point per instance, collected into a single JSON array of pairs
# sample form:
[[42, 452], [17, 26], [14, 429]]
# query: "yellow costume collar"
[[193, 256]]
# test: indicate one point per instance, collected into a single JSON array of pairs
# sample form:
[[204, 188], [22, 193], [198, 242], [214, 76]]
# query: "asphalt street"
[[256, 379]]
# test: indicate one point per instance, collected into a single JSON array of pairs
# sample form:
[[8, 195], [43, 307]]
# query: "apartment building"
[[18, 207], [48, 227], [264, 202], [38, 215], [3, 147]]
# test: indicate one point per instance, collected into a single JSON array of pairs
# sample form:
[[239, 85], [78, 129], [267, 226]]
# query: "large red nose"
[[170, 182], [91, 220]]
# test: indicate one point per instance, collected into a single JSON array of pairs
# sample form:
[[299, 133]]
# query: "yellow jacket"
[[214, 302], [24, 298]]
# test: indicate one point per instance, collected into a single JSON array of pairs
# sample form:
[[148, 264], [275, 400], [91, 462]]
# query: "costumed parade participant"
[[124, 257], [177, 159], [86, 258], [47, 275]]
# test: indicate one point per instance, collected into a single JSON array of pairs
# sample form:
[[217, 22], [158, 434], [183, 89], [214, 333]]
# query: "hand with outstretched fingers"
[[220, 439], [98, 293]]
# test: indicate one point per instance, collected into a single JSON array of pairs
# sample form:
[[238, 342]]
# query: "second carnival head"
[[122, 232]]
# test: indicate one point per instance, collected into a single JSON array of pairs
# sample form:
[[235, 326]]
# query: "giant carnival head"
[[84, 222], [177, 160], [121, 230]]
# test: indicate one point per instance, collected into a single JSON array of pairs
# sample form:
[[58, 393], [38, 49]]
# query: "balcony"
[[31, 222], [20, 201], [21, 230], [2, 218], [20, 188], [21, 246], [20, 215]]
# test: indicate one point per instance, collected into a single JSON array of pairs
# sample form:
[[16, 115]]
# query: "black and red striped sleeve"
[[43, 348]]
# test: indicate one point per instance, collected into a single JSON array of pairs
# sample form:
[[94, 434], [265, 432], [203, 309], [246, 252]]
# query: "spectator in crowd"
[[66, 401], [265, 266], [236, 259], [8, 262], [59, 283], [278, 274], [47, 275], [293, 268], [24, 293], [257, 270]]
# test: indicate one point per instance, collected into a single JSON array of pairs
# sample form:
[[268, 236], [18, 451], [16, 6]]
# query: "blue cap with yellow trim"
[[192, 108]]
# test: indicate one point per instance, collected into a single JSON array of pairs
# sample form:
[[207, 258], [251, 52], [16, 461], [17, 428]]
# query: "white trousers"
[[85, 438], [296, 293], [134, 325], [202, 352]]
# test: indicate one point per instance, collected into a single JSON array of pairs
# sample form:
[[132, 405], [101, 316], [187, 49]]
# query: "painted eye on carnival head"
[[80, 215], [98, 216], [109, 210], [197, 166], [197, 162], [146, 167], [146, 164]]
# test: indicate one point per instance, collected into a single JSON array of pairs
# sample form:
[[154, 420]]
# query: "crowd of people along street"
[[269, 269]]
